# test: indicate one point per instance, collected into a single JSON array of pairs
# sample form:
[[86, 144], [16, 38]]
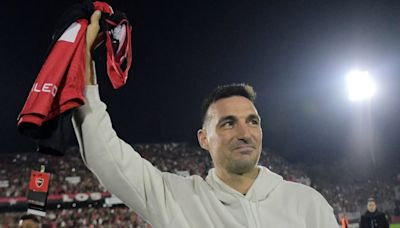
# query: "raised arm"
[[116, 164]]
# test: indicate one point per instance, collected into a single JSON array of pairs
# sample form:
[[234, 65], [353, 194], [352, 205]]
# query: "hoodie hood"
[[264, 184]]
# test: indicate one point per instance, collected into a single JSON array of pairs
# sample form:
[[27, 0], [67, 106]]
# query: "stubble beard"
[[240, 167]]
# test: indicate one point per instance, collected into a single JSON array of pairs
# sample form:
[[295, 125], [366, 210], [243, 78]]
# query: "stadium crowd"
[[350, 198], [82, 218], [179, 158]]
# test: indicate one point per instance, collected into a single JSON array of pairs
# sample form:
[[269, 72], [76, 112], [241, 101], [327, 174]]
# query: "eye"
[[227, 124], [254, 121]]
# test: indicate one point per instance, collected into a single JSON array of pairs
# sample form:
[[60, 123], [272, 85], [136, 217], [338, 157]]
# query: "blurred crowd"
[[179, 158], [82, 218], [15, 171], [352, 197]]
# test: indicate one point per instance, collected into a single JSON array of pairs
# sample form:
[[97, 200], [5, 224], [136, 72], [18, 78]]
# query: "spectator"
[[372, 218]]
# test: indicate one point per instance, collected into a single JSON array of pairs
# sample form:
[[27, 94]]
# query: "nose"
[[243, 131]]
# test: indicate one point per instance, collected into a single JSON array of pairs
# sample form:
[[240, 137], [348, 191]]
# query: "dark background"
[[295, 53]]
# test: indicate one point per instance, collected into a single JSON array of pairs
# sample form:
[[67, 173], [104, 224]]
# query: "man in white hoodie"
[[236, 193]]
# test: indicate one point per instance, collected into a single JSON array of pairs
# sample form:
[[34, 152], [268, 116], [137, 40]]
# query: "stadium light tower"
[[360, 86]]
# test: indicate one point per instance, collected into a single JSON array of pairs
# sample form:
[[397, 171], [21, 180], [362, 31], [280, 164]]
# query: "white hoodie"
[[169, 200]]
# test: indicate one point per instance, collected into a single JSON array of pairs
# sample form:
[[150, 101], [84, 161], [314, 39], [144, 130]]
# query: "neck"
[[239, 182]]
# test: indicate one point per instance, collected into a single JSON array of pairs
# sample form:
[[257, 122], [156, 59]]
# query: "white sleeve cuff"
[[92, 93]]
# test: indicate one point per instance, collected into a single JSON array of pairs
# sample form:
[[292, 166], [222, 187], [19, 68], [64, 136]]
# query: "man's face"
[[232, 134], [371, 206]]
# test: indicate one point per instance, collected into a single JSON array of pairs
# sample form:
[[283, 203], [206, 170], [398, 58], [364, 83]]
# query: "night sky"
[[295, 53]]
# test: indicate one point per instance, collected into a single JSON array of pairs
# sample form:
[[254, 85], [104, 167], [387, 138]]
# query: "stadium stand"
[[77, 199]]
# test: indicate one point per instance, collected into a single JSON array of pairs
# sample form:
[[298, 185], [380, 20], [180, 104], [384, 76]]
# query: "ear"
[[202, 138]]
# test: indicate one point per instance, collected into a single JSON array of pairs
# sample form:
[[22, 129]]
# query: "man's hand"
[[92, 34]]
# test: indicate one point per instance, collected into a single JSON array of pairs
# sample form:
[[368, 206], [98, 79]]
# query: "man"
[[373, 218], [236, 193], [29, 221]]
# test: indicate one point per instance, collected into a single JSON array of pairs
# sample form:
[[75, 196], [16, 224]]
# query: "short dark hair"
[[225, 91], [371, 199], [29, 217]]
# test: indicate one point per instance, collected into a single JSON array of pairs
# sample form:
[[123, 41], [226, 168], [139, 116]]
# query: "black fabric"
[[54, 136], [81, 10], [373, 220]]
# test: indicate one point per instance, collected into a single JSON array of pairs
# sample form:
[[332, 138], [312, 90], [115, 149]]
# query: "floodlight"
[[360, 86]]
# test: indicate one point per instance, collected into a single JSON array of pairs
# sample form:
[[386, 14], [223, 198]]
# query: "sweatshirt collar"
[[265, 183]]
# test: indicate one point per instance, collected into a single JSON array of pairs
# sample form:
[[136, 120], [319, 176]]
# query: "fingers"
[[93, 29], [91, 35], [95, 18]]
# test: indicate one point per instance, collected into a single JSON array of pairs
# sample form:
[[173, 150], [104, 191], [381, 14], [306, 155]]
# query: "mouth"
[[244, 149]]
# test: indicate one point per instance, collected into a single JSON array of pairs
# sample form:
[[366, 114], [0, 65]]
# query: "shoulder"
[[306, 202], [304, 196], [382, 215], [300, 189], [176, 181], [291, 191]]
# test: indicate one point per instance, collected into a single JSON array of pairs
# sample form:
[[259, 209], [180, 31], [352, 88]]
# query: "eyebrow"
[[254, 116], [225, 118], [230, 117]]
